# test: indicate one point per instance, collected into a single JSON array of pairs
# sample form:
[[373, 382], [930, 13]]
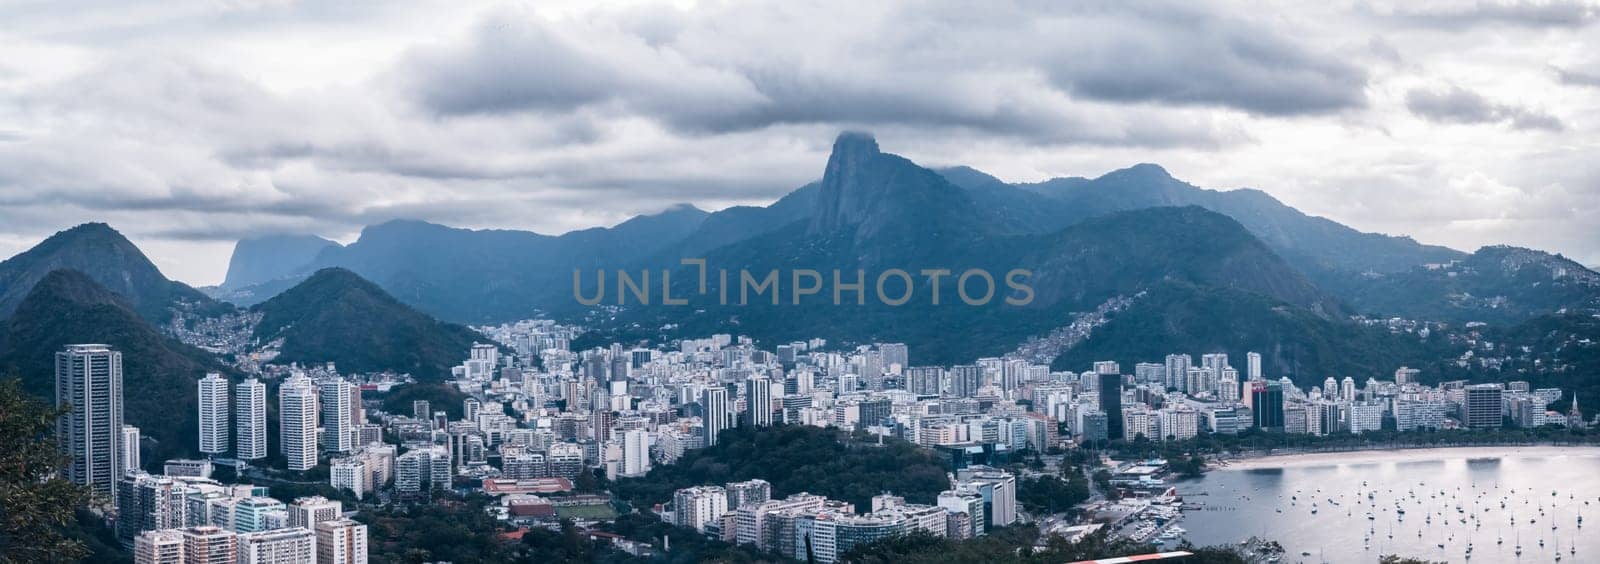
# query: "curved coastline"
[[1290, 459]]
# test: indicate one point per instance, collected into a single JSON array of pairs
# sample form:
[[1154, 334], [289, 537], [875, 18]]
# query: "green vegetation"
[[440, 397], [1049, 495], [688, 545], [447, 530], [1496, 284], [587, 512], [109, 259], [799, 458], [35, 505], [159, 373], [336, 316], [1563, 351], [1128, 252], [1294, 342]]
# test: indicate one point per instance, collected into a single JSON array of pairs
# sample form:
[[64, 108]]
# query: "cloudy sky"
[[188, 125]]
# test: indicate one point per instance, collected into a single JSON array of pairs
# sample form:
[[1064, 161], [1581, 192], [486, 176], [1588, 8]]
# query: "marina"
[[1456, 505]]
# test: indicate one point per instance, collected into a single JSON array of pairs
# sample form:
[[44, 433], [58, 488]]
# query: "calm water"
[[1273, 498]]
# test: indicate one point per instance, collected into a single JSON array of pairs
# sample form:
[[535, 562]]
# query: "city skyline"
[[1025, 282]]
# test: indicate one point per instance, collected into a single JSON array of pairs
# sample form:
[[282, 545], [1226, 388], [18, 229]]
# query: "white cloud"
[[189, 125]]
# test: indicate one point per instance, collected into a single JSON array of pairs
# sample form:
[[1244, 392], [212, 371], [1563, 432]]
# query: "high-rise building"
[[1178, 423], [148, 503], [89, 380], [350, 474], [1347, 389], [213, 414], [714, 402], [1362, 417], [130, 448], [1178, 372], [424, 469], [699, 506], [895, 354], [758, 400], [600, 417], [1405, 375], [158, 547], [280, 546], [748, 494], [1253, 366], [965, 380], [999, 490], [297, 422], [1092, 425], [420, 409], [209, 545], [1267, 405], [1215, 362], [259, 513], [338, 435], [306, 512], [1110, 390], [635, 452], [341, 541], [250, 420], [1483, 406], [925, 380]]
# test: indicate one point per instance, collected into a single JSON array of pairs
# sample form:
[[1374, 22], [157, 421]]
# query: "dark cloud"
[[510, 65], [1193, 57], [1518, 13], [1578, 76], [1454, 104], [1033, 72]]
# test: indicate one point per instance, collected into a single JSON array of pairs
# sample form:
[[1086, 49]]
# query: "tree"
[[35, 506]]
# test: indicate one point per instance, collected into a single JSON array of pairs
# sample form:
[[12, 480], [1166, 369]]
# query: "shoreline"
[[1292, 459]]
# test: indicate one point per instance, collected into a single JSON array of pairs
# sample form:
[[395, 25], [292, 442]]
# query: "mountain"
[[159, 373], [486, 275], [1180, 317], [1314, 244], [264, 259], [876, 211], [872, 208], [738, 223], [105, 256], [336, 316], [1497, 284]]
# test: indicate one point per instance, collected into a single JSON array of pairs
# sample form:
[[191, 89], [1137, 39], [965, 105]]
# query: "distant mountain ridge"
[[264, 259], [105, 256], [873, 208], [1313, 243], [484, 275], [877, 211]]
